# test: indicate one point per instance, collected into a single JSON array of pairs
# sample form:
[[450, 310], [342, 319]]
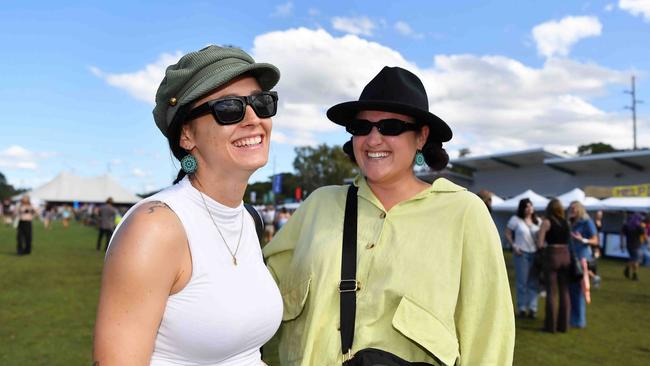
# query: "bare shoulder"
[[152, 235]]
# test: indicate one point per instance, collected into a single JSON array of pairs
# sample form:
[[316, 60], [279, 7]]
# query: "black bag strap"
[[259, 226], [348, 284]]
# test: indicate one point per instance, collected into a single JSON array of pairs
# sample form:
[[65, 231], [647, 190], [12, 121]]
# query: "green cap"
[[198, 73]]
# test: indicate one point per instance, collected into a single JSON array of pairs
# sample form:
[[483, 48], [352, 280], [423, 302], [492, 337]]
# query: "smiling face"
[[387, 159], [240, 147]]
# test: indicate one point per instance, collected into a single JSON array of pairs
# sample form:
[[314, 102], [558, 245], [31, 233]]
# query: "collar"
[[440, 185]]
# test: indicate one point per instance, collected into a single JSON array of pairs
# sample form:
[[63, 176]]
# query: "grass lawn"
[[48, 302]]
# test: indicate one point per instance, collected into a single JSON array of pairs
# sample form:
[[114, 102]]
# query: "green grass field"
[[48, 302]]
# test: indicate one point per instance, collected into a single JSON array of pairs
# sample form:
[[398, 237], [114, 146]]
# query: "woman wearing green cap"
[[183, 277], [392, 270]]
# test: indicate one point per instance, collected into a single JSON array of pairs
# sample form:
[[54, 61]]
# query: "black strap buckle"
[[348, 285]]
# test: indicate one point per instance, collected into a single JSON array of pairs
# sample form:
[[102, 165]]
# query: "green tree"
[[6, 189], [595, 148], [322, 165], [289, 184]]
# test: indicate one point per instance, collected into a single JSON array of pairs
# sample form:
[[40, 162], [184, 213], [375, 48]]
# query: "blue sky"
[[78, 78]]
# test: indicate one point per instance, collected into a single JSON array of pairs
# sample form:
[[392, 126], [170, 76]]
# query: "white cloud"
[[555, 38], [636, 8], [141, 84], [18, 157], [283, 10], [354, 25], [609, 7], [405, 29], [493, 103], [139, 173]]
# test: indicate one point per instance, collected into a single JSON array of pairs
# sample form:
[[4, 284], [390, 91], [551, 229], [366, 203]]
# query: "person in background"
[[430, 284], [486, 197], [281, 218], [184, 282], [106, 214], [632, 234], [6, 212], [66, 215], [553, 237], [521, 233], [268, 216], [25, 214], [592, 265], [583, 237]]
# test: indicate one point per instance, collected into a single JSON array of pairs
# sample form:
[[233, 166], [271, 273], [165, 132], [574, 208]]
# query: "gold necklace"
[[241, 230]]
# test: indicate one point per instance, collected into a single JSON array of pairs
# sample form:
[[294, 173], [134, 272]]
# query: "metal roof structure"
[[513, 159], [635, 161]]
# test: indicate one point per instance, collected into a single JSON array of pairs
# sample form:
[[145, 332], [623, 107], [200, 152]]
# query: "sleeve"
[[484, 313], [512, 223], [590, 229], [278, 253]]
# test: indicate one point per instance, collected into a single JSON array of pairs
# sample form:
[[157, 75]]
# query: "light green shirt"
[[434, 286]]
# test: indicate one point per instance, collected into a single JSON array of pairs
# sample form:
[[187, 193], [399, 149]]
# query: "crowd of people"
[[22, 214], [559, 252]]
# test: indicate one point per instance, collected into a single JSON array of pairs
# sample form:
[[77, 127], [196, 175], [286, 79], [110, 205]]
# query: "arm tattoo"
[[96, 363], [157, 204]]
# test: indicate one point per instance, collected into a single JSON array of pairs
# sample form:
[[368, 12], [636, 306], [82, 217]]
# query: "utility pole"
[[633, 108]]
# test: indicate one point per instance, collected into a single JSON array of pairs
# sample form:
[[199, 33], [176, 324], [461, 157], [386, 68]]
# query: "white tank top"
[[225, 313]]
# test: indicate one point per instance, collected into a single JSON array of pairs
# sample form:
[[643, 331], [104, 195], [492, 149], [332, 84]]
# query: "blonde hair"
[[581, 211]]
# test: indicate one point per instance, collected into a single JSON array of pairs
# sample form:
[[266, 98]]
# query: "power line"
[[633, 109]]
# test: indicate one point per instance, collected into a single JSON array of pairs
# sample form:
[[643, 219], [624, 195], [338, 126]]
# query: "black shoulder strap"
[[348, 285], [259, 226]]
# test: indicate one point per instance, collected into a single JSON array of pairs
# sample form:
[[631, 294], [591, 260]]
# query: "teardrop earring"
[[189, 164], [419, 158]]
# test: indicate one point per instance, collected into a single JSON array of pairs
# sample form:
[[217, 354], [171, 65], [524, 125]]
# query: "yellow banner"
[[638, 190]]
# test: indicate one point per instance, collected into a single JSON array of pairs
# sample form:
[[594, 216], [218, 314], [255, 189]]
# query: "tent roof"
[[626, 203], [67, 187], [539, 202]]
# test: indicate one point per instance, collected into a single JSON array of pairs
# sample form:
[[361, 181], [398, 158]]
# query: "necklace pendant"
[[234, 260]]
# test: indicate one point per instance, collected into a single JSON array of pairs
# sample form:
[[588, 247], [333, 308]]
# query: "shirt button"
[[370, 245], [382, 215]]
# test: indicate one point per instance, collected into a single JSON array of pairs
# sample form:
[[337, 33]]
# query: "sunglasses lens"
[[229, 111], [359, 127], [264, 105], [391, 127]]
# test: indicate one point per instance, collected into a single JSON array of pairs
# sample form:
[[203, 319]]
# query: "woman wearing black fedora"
[[391, 270]]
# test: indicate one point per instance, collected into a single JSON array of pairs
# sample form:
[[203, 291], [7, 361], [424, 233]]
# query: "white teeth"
[[377, 155], [248, 141]]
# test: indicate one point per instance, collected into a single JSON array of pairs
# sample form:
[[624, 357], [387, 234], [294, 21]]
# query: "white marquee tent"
[[626, 204], [539, 202], [67, 187]]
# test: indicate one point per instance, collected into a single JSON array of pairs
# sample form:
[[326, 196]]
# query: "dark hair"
[[434, 155], [555, 209], [174, 137], [521, 210]]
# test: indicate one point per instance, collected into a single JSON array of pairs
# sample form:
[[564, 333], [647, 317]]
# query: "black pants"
[[24, 237], [104, 232], [556, 272]]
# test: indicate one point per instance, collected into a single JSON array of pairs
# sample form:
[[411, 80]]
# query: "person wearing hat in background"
[[106, 214], [184, 277], [430, 283]]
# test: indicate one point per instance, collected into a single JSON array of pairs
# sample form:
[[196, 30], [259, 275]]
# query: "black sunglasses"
[[387, 127], [230, 110]]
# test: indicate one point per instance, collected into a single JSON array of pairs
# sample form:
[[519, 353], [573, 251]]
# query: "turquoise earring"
[[189, 164], [419, 158]]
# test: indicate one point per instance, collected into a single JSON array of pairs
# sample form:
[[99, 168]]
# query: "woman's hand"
[[576, 235]]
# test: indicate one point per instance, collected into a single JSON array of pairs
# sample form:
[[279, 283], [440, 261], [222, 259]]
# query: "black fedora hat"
[[393, 90]]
